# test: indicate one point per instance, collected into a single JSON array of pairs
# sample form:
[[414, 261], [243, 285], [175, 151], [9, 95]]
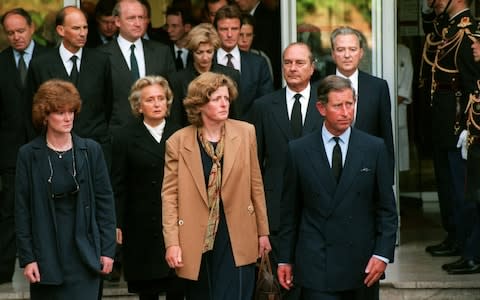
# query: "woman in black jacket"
[[64, 208], [137, 174]]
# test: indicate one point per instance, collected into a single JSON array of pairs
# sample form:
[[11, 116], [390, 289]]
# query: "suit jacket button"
[[180, 222], [250, 209]]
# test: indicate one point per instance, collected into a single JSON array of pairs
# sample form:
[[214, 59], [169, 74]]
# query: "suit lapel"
[[12, 69], [144, 140], [362, 100], [56, 68], [319, 162], [232, 144], [353, 163], [117, 59], [312, 118], [193, 161], [280, 115]]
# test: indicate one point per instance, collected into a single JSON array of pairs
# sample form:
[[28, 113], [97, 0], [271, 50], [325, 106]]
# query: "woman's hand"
[[263, 245], [31, 272], [107, 264], [173, 256]]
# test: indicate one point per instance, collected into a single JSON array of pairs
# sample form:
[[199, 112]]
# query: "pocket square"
[[365, 170]]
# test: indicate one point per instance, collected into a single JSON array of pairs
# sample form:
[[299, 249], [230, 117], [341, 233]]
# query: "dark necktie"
[[74, 72], [296, 117], [22, 68], [337, 159], [229, 61], [133, 63], [179, 61]]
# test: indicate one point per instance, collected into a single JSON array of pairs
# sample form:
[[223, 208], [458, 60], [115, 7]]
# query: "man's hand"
[[173, 256], [119, 236], [31, 272], [107, 264], [462, 143], [374, 271], [285, 275]]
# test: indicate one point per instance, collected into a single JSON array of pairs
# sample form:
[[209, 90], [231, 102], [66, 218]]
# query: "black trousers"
[[8, 248], [363, 293]]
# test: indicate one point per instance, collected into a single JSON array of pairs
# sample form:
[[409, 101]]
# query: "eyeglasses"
[[54, 195]]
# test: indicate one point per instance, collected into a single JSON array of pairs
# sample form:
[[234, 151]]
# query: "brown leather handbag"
[[267, 287]]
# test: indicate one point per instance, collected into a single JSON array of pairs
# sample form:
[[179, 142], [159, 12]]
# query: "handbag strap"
[[265, 264]]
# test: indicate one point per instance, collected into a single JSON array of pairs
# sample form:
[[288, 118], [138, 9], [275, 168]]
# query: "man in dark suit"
[[267, 32], [273, 120], [339, 217], [132, 57], [373, 106], [102, 29], [255, 79], [15, 129], [178, 23], [88, 69]]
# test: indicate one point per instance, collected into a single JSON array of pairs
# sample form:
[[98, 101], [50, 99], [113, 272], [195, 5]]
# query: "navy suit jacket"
[[15, 109], [255, 82], [158, 61], [329, 231], [272, 126], [94, 85]]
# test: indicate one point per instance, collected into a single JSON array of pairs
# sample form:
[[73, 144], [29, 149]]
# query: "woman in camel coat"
[[214, 236]]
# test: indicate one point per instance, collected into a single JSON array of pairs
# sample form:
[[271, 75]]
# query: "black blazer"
[[179, 82], [267, 38], [35, 211], [15, 110], [174, 56], [330, 231], [94, 85], [137, 176], [273, 130], [158, 61]]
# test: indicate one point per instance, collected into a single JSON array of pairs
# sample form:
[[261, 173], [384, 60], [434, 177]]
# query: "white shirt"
[[303, 101], [222, 57], [252, 12], [156, 131], [139, 55], [354, 80], [66, 56]]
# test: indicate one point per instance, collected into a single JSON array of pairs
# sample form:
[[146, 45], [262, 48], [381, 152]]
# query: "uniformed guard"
[[469, 263], [449, 75]]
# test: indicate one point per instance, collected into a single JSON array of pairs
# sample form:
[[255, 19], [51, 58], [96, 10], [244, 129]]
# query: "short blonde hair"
[[54, 95], [203, 33], [200, 90], [140, 84]]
